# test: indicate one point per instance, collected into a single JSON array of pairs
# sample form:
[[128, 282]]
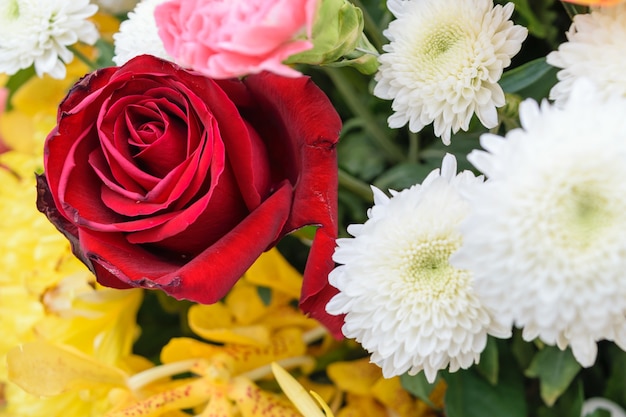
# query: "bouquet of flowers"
[[312, 207]]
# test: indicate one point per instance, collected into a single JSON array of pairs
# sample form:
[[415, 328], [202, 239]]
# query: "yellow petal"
[[40, 95], [321, 401], [215, 323], [287, 316], [362, 406], [356, 377], [219, 406], [100, 323], [183, 396], [43, 368], [183, 348], [254, 402], [273, 271], [298, 395], [326, 392], [81, 403], [18, 131], [19, 310], [285, 343], [390, 393], [244, 303], [107, 25]]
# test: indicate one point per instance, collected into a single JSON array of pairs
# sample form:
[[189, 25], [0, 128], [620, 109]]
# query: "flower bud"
[[338, 39]]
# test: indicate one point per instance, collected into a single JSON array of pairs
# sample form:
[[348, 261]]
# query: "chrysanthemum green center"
[[584, 213], [11, 10], [440, 41], [426, 268]]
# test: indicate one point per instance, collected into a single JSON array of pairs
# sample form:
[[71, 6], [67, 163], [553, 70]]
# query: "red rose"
[[163, 178]]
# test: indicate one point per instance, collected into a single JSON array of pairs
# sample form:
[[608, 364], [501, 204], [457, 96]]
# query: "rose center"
[[157, 139], [148, 133]]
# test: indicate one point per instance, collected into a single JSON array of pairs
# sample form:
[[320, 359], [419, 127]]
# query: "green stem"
[[342, 83], [83, 58], [414, 147], [371, 28], [355, 185]]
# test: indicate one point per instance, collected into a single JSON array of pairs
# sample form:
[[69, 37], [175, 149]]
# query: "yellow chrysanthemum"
[[367, 393], [80, 350], [49, 304], [33, 255]]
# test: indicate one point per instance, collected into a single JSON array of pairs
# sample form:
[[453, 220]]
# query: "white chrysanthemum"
[[444, 62], [595, 49], [546, 238], [403, 301], [38, 32], [139, 35]]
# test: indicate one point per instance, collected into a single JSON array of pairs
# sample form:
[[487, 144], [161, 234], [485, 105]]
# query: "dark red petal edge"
[[314, 125]]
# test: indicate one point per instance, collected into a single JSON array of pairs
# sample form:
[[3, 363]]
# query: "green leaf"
[[106, 52], [470, 395], [522, 350], [403, 176], [533, 79], [568, 405], [16, 81], [419, 386], [306, 233], [359, 157], [488, 366], [616, 383], [265, 294], [538, 19], [555, 369]]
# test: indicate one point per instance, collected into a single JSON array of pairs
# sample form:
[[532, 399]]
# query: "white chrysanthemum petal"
[[402, 300], [444, 62], [545, 238], [39, 32], [139, 34], [594, 50]]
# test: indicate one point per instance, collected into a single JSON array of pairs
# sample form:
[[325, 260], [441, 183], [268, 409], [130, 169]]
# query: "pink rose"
[[225, 39]]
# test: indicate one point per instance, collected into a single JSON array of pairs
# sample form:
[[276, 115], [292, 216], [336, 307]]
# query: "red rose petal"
[[204, 279], [315, 127], [203, 222]]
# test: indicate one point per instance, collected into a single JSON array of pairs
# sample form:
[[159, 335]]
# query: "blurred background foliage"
[[514, 378]]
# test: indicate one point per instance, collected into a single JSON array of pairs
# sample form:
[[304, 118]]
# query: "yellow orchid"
[[223, 375], [33, 255], [367, 393], [298, 395], [243, 317]]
